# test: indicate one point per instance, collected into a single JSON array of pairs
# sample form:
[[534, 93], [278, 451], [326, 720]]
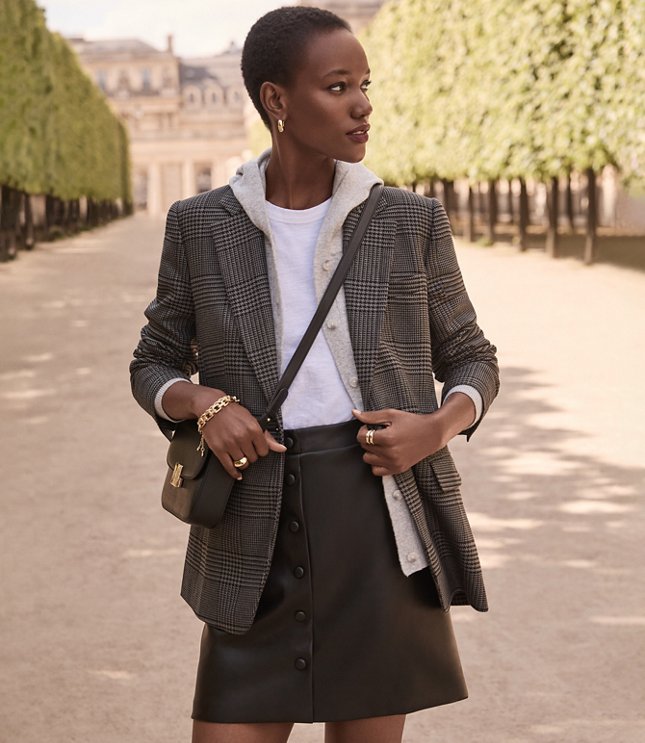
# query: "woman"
[[325, 590]]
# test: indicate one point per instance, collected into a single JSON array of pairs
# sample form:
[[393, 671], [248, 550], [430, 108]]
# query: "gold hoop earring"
[[280, 125]]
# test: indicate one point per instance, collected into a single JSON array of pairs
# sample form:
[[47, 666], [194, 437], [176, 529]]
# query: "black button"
[[290, 479], [301, 663], [300, 616], [294, 526], [289, 442], [299, 571]]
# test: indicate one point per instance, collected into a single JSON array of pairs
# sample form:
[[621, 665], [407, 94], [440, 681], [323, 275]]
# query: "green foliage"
[[57, 133], [506, 88]]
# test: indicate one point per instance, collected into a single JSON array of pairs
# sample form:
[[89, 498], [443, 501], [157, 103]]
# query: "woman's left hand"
[[407, 438]]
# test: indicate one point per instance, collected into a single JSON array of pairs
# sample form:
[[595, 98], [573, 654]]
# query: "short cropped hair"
[[275, 43]]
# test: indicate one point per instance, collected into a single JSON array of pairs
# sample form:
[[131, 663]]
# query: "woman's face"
[[327, 108]]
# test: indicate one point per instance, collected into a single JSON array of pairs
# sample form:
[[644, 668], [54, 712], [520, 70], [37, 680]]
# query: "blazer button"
[[290, 479], [300, 616], [299, 571], [301, 664], [288, 442], [294, 526]]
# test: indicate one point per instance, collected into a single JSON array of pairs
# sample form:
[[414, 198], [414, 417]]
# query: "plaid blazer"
[[409, 318]]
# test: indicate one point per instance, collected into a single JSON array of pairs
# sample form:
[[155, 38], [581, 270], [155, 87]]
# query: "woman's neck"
[[298, 182]]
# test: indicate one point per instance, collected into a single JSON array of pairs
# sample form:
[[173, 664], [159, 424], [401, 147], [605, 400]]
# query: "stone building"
[[357, 12], [188, 118], [185, 116]]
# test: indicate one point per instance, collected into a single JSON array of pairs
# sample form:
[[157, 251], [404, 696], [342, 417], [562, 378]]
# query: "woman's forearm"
[[184, 400], [456, 414]]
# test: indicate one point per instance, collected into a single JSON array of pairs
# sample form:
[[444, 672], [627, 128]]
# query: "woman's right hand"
[[234, 433], [231, 434]]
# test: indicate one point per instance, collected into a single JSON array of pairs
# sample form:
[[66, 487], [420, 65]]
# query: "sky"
[[199, 27]]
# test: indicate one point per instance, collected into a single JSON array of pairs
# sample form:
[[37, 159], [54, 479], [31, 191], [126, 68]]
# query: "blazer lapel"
[[242, 258], [366, 292]]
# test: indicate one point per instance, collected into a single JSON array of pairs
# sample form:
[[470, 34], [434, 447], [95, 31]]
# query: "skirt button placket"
[[292, 504]]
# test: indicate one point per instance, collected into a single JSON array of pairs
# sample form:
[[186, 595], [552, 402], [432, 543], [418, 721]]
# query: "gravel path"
[[96, 643]]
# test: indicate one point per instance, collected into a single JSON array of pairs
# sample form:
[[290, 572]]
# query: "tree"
[[510, 89]]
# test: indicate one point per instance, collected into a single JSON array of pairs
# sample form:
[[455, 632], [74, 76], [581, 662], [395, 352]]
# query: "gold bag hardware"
[[176, 480]]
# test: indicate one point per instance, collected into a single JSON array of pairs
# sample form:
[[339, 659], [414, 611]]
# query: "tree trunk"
[[571, 217], [553, 193], [493, 206], [591, 240], [71, 216], [445, 184], [492, 211], [10, 201], [54, 216], [511, 208], [49, 215], [523, 221], [481, 201], [30, 241], [64, 215], [471, 233], [90, 216], [76, 215]]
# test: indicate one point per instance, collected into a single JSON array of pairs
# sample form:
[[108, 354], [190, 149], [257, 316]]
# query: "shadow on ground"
[[531, 480], [560, 534]]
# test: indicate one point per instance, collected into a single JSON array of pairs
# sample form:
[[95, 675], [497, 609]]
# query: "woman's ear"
[[272, 98]]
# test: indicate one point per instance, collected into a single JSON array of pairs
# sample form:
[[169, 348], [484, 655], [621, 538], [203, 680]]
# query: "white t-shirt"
[[317, 395]]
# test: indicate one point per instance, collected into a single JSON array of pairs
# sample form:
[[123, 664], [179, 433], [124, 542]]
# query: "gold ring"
[[240, 462], [369, 437]]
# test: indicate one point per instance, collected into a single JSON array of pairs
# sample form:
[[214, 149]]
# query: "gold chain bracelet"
[[209, 413]]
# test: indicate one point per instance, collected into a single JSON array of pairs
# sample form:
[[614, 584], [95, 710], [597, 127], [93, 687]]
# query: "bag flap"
[[183, 450]]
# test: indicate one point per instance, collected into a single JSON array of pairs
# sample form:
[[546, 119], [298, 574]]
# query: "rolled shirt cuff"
[[158, 397], [473, 394]]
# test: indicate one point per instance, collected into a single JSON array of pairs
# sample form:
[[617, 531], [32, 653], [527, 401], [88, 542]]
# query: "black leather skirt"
[[340, 633]]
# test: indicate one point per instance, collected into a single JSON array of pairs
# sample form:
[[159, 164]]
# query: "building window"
[[140, 188], [101, 79], [123, 82], [192, 97], [146, 80]]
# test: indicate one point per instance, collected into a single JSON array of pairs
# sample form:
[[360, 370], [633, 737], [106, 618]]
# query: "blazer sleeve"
[[167, 348], [461, 354]]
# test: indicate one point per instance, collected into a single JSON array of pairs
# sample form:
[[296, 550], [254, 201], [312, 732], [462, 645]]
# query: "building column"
[[154, 190], [188, 179]]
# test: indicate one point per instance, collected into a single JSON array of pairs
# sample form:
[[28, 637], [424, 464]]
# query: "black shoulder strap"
[[326, 302]]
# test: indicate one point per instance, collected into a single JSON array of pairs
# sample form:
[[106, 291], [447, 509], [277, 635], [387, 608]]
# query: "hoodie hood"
[[352, 184]]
